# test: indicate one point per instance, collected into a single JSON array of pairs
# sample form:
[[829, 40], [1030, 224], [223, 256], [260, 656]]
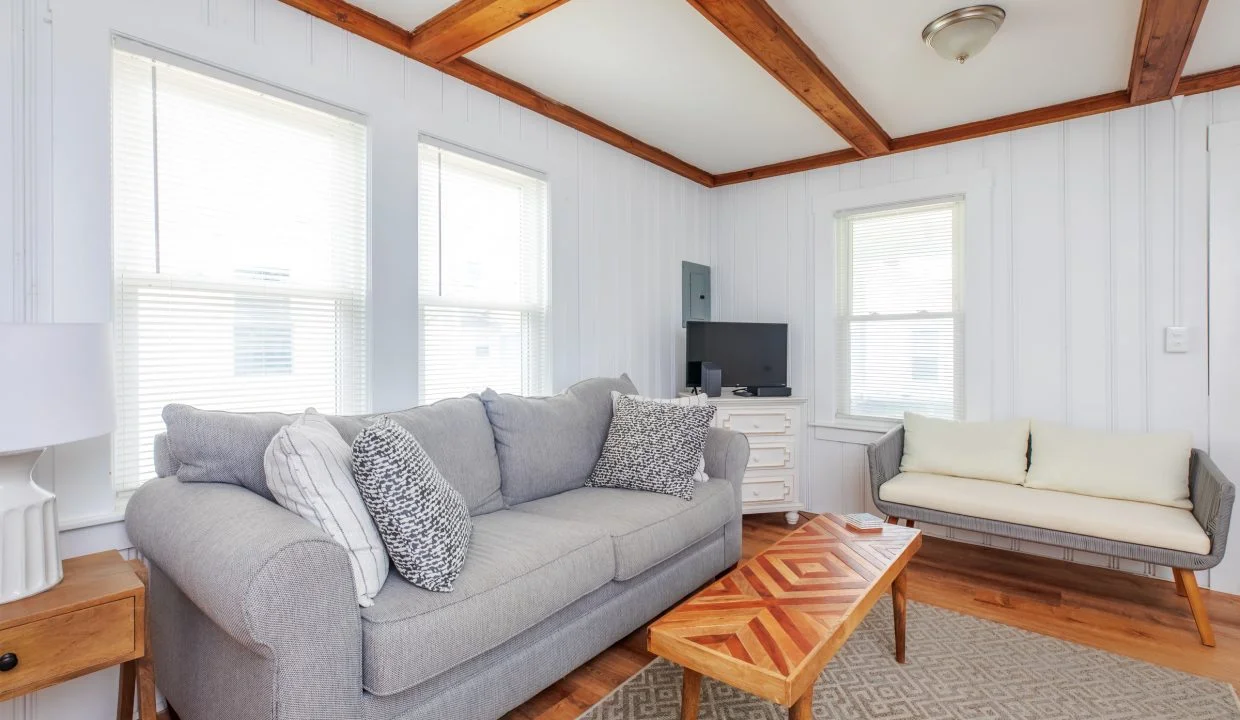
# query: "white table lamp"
[[55, 387]]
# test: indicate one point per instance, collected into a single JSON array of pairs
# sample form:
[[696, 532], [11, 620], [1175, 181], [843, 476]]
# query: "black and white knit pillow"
[[424, 521], [653, 446]]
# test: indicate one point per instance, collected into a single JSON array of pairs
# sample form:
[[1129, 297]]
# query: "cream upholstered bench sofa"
[[1150, 498]]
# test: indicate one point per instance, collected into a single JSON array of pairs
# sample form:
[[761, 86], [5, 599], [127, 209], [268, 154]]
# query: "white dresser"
[[776, 431]]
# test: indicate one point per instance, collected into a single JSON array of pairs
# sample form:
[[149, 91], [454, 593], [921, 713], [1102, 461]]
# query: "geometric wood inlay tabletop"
[[770, 626]]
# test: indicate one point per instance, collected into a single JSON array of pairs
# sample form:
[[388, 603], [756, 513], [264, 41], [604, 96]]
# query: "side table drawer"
[[772, 454], [766, 490], [764, 421], [59, 646]]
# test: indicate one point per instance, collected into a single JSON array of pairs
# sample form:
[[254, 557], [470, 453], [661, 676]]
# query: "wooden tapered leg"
[[124, 695], [1188, 580], [893, 520], [1179, 585], [899, 606], [910, 522], [690, 695], [803, 708]]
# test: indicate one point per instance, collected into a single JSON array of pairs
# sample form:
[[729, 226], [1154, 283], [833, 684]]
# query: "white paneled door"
[[1224, 148]]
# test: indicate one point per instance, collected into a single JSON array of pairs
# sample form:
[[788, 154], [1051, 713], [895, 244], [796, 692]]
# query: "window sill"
[[88, 521], [856, 432]]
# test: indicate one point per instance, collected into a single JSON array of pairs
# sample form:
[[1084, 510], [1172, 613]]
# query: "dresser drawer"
[[761, 490], [66, 644], [759, 421], [772, 454]]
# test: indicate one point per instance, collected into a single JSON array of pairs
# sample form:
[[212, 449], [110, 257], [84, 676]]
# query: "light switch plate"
[[1176, 340]]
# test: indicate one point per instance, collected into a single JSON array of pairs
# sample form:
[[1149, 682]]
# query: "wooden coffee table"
[[771, 626]]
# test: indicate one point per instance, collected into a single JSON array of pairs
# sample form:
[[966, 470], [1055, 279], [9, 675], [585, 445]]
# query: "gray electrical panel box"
[[695, 295]]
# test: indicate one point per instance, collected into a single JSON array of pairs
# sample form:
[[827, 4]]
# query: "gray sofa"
[[253, 611], [1212, 495]]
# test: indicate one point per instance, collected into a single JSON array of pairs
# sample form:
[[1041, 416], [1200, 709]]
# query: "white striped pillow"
[[696, 400], [309, 470]]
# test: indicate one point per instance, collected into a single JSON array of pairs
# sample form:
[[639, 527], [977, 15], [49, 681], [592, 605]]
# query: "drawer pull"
[[8, 661]]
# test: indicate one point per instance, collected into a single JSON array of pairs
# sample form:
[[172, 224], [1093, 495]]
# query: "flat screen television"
[[751, 355]]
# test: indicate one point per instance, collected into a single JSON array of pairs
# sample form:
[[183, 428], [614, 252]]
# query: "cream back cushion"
[[981, 450], [1149, 467]]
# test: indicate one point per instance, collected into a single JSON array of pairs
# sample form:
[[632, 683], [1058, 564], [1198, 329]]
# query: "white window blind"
[[899, 338], [239, 245], [482, 279]]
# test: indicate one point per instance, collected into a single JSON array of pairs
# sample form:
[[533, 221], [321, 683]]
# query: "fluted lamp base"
[[29, 551]]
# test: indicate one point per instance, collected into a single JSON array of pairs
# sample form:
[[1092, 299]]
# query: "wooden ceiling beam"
[[393, 37], [478, 76], [1164, 38], [470, 24], [1108, 102], [357, 21], [758, 30]]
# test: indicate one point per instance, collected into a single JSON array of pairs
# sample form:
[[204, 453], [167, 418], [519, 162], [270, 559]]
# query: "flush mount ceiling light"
[[961, 34]]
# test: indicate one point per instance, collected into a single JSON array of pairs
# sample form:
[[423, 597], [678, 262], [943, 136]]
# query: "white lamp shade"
[[55, 384]]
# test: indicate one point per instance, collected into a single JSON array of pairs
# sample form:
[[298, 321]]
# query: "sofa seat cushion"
[[520, 570], [1120, 520], [647, 528]]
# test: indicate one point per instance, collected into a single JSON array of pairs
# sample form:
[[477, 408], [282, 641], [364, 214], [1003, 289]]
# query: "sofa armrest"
[[1213, 496], [727, 456], [884, 457], [275, 583]]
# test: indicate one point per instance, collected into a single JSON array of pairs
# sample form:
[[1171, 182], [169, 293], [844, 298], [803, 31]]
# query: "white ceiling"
[[1047, 52], [1218, 39], [406, 13], [661, 72]]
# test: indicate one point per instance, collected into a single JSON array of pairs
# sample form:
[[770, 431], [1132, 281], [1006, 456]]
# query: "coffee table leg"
[[803, 708], [899, 597], [691, 695]]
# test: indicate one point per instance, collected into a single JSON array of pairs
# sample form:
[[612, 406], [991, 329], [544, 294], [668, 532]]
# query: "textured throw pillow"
[[996, 451], [697, 400], [310, 472], [1149, 467], [424, 522], [653, 446]]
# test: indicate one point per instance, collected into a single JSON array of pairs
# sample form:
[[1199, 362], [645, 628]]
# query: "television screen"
[[750, 354]]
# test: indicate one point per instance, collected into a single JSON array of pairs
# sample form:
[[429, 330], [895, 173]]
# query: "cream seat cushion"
[[1143, 467], [984, 450], [1122, 520]]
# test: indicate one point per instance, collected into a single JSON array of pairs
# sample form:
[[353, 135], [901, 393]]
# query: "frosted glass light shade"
[[963, 33], [56, 384]]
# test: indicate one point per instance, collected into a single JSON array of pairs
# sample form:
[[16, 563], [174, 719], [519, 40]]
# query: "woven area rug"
[[958, 667]]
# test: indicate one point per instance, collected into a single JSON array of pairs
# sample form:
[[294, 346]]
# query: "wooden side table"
[[94, 619]]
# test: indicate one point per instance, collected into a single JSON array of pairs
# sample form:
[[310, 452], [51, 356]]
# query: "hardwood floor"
[[1114, 611]]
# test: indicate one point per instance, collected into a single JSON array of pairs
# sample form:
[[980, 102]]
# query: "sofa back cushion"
[[223, 447], [456, 435], [981, 450], [549, 445], [227, 447], [1143, 467]]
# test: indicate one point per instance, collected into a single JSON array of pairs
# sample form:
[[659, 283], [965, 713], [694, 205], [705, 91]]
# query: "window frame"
[[539, 381], [128, 284], [845, 319]]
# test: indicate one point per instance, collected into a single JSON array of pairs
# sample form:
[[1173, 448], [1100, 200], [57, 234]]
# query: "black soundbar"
[[764, 391]]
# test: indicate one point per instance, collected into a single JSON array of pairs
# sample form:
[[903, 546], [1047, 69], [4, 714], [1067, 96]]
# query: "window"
[[900, 324], [239, 253], [482, 279]]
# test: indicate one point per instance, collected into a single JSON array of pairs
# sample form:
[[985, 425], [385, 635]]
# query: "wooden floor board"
[[1119, 612]]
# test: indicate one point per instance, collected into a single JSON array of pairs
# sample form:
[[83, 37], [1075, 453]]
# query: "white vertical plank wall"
[[619, 226], [1098, 242]]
